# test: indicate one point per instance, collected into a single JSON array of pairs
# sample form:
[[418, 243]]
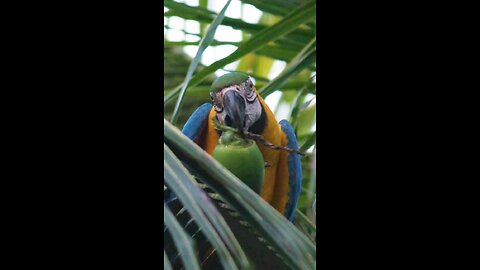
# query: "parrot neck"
[[260, 124]]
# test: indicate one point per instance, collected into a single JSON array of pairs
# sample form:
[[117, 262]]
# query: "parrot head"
[[236, 102]]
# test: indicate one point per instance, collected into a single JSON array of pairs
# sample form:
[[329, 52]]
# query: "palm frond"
[[278, 231]]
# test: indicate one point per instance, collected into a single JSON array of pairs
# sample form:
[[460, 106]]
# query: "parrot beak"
[[234, 105]]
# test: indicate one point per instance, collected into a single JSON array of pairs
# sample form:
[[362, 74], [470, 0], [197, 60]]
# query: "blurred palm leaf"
[[175, 64], [289, 23], [206, 40], [295, 249]]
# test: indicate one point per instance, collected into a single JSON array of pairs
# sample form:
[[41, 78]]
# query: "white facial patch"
[[221, 117], [252, 113]]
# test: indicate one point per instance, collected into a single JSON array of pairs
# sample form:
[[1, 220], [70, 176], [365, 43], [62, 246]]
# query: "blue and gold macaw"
[[236, 103]]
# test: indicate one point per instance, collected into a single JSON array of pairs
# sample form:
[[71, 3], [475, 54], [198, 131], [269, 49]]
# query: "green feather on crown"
[[227, 80]]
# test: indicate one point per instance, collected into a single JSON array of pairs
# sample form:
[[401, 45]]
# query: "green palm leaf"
[[206, 40], [297, 17], [275, 228]]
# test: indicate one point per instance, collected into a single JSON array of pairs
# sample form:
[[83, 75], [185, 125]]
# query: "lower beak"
[[234, 105]]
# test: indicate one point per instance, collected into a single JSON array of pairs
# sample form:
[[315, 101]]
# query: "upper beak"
[[234, 105]]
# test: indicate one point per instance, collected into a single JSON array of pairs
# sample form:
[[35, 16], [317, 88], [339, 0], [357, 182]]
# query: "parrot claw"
[[267, 164]]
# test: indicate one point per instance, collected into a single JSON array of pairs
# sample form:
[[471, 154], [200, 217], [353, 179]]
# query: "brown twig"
[[258, 138]]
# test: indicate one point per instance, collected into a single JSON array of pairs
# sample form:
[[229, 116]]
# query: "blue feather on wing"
[[193, 129], [294, 171], [197, 121]]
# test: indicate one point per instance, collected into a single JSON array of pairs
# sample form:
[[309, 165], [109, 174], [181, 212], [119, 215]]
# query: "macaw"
[[236, 103]]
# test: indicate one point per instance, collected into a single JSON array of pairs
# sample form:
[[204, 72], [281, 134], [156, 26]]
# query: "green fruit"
[[241, 157]]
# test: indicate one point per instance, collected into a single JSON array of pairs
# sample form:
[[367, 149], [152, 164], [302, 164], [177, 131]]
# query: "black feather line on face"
[[218, 110], [254, 99]]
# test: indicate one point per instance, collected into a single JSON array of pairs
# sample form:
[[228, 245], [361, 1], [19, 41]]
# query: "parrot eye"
[[251, 96], [217, 105], [218, 108], [250, 86]]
